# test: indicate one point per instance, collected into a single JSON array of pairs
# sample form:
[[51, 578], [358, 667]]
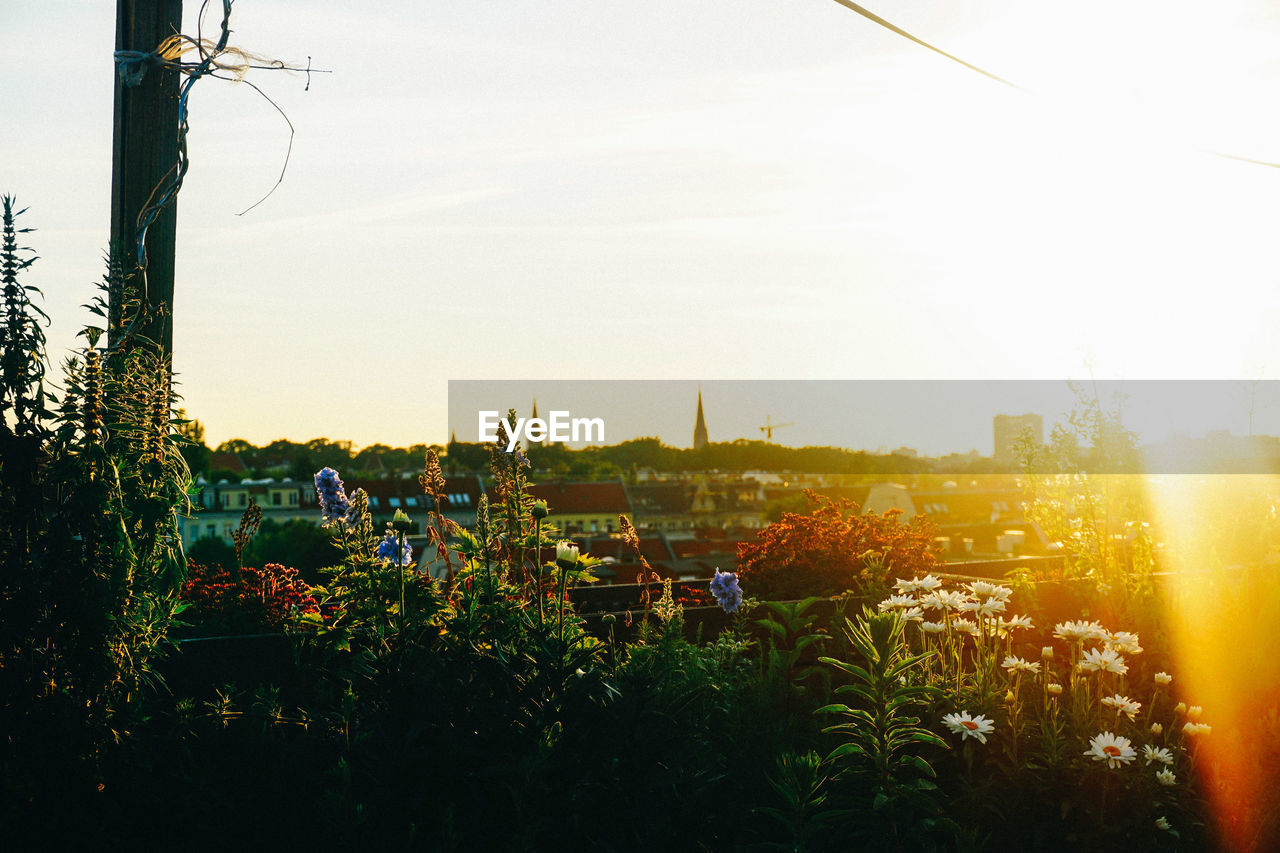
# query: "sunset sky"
[[717, 190]]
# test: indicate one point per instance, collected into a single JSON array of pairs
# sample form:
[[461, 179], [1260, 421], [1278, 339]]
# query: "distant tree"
[[296, 543], [237, 446], [196, 453], [466, 457], [212, 551]]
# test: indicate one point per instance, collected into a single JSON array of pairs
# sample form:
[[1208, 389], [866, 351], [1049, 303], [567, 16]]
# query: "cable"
[[873, 17]]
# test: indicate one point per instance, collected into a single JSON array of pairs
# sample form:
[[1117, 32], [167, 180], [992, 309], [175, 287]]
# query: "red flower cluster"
[[693, 596], [247, 599]]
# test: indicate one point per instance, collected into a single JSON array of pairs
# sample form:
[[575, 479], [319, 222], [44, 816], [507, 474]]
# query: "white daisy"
[[1166, 777], [951, 599], [1016, 622], [932, 601], [1013, 663], [1160, 754], [991, 607], [1163, 678], [1162, 823], [1103, 660], [932, 627], [928, 583], [962, 724], [1196, 729], [965, 626], [1054, 689], [983, 589], [1112, 749], [1124, 641], [1079, 631], [1123, 705], [897, 601]]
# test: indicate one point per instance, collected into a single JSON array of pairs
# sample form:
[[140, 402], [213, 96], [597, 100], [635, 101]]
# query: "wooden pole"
[[144, 151]]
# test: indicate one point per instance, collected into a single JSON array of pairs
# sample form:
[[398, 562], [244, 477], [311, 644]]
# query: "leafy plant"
[[90, 556], [884, 743]]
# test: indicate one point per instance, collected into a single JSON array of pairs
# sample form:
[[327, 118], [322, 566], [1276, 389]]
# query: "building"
[[1011, 431], [216, 511], [700, 427], [587, 507]]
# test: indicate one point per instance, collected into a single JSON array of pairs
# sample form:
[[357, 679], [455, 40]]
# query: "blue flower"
[[333, 497], [387, 551], [724, 586]]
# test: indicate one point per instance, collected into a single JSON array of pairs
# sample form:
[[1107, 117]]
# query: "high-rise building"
[[1010, 430], [700, 428]]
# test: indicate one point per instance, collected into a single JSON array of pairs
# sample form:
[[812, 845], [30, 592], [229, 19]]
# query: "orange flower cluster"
[[246, 599], [832, 548]]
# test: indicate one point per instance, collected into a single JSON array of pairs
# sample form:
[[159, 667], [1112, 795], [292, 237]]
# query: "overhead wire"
[[215, 59], [893, 28]]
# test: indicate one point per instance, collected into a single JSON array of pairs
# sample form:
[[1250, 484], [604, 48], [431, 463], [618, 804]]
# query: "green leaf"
[[845, 749]]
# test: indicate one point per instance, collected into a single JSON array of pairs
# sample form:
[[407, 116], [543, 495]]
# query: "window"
[[277, 499], [411, 501], [244, 499], [373, 501], [293, 499], [394, 502]]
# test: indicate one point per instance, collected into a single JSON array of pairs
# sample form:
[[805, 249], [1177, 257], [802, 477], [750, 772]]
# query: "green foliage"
[[296, 543], [212, 551], [90, 557], [788, 662], [801, 782], [884, 742]]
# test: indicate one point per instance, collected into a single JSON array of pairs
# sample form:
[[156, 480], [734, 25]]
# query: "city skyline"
[[935, 418]]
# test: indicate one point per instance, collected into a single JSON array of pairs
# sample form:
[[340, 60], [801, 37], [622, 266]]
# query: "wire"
[[873, 17], [216, 59]]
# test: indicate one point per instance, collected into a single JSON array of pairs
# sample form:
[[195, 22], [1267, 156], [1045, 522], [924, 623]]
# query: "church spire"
[[700, 428], [535, 407]]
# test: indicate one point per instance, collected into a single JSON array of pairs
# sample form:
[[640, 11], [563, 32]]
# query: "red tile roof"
[[565, 499]]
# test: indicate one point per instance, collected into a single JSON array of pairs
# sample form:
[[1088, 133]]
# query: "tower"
[[535, 408], [700, 428]]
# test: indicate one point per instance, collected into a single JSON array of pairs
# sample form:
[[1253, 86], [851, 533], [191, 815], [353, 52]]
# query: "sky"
[[710, 191]]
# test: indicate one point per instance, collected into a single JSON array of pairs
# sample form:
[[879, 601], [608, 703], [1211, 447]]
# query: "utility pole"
[[144, 152]]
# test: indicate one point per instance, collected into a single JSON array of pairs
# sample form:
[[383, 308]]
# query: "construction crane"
[[769, 427]]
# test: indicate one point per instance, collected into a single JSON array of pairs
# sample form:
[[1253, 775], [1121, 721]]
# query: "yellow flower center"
[[1112, 751], [969, 724]]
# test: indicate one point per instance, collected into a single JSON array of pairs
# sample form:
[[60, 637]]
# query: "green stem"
[[537, 544], [400, 572], [563, 578]]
